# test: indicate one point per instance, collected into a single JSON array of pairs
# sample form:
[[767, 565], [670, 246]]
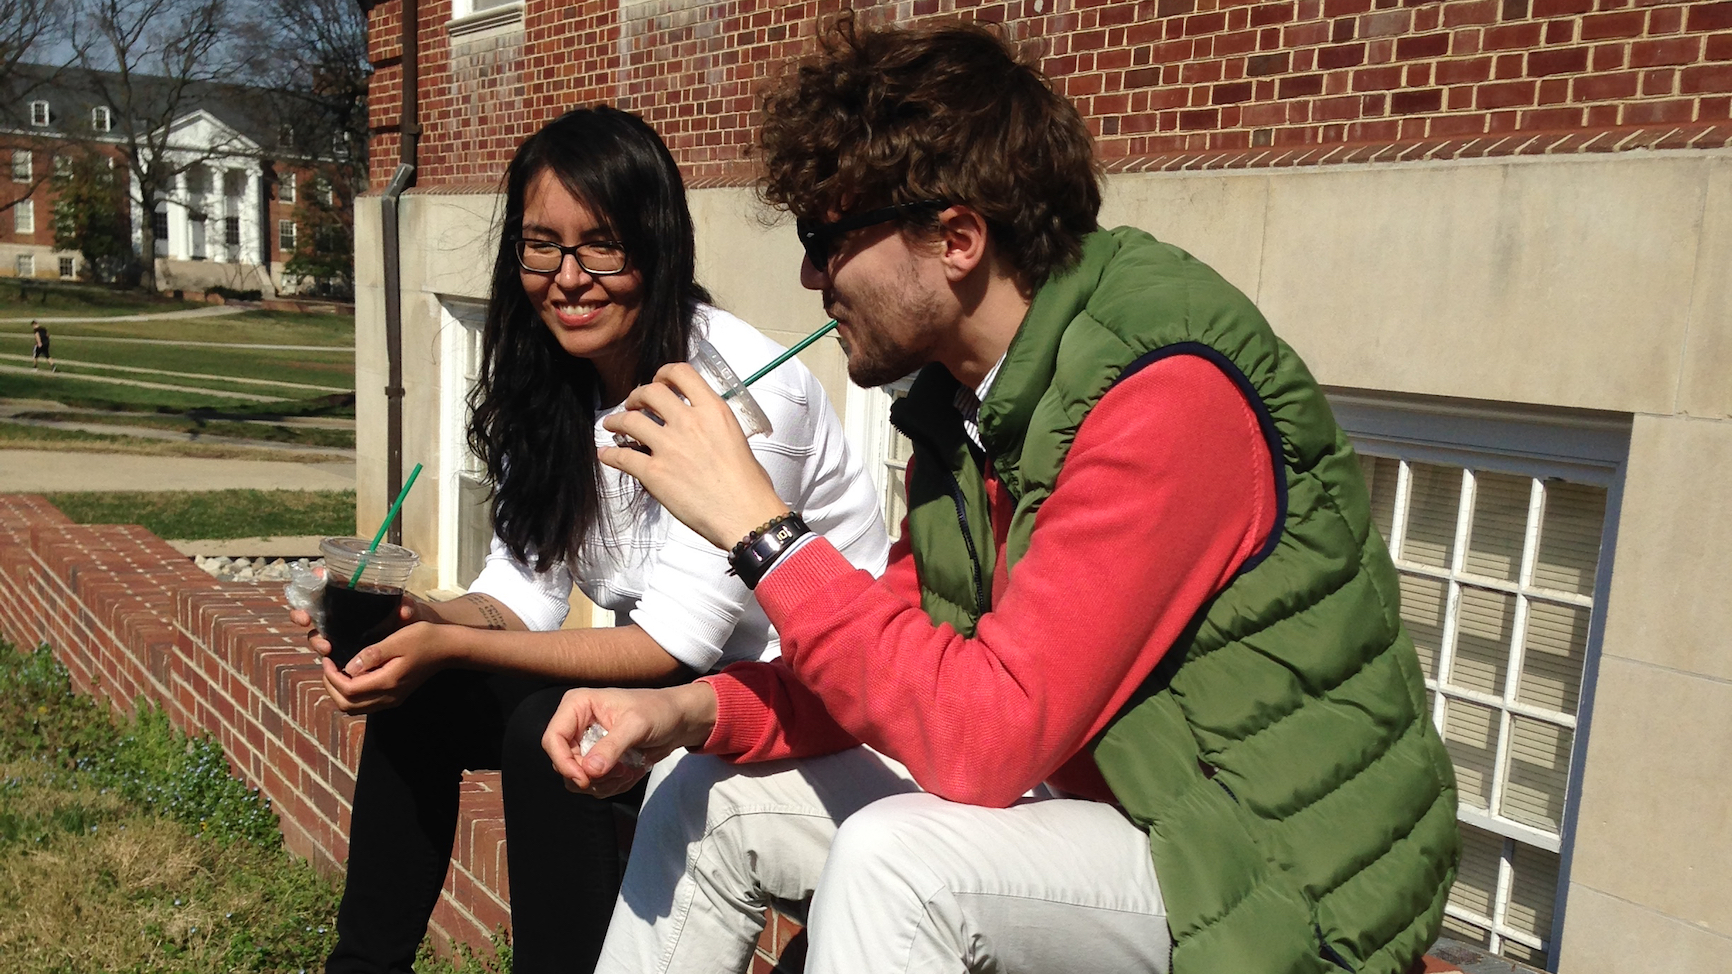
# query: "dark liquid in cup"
[[358, 617]]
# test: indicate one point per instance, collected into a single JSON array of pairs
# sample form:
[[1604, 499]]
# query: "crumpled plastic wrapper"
[[306, 590], [632, 758]]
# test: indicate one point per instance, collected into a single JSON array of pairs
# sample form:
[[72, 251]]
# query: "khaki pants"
[[904, 881]]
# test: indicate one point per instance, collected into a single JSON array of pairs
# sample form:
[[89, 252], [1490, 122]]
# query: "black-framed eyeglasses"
[[598, 258], [820, 238]]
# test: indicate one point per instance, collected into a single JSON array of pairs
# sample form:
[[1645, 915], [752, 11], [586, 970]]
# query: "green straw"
[[785, 356], [390, 516]]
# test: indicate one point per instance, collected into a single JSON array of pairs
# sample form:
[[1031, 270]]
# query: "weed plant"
[[128, 848]]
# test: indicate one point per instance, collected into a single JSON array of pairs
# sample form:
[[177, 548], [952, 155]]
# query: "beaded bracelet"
[[757, 551]]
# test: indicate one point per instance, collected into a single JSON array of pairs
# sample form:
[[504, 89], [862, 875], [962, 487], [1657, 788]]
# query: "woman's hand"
[[382, 675], [655, 722], [696, 461], [413, 609]]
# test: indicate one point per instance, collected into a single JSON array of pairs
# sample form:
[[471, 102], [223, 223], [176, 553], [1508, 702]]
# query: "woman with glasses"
[[593, 290]]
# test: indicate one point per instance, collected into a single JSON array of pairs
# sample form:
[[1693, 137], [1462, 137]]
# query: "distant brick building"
[[230, 219], [1498, 230]]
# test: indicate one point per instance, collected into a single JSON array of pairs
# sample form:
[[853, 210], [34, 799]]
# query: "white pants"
[[904, 881]]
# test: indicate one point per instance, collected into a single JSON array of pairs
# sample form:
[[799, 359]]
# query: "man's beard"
[[876, 356]]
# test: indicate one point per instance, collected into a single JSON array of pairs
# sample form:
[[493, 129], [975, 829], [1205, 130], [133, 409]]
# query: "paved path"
[[215, 311], [33, 471]]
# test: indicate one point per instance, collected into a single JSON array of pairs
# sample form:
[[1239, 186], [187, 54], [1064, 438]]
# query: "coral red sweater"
[[1167, 490]]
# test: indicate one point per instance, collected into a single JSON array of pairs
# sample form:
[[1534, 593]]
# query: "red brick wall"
[[1155, 78], [134, 620]]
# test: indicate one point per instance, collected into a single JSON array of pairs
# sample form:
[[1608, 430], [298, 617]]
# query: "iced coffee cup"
[[721, 378], [361, 611]]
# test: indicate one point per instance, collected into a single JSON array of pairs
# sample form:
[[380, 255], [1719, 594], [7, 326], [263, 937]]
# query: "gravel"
[[258, 570]]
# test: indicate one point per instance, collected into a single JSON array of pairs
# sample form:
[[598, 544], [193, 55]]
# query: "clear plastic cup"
[[726, 384], [359, 616], [721, 379]]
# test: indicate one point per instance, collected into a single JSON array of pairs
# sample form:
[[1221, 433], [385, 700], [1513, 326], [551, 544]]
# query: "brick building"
[[231, 214], [1497, 230]]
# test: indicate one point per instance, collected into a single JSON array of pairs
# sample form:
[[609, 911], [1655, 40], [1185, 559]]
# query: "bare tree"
[[149, 60], [320, 77], [26, 26]]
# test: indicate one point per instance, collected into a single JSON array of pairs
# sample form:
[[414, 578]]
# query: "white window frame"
[[25, 265], [23, 165], [866, 424], [470, 17], [286, 236], [24, 217], [1574, 446], [68, 267], [286, 188], [101, 119], [40, 115], [461, 322]]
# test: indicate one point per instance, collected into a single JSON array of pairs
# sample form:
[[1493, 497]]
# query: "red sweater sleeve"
[[1168, 488]]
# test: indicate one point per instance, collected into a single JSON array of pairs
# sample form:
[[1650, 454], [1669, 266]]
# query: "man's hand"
[[382, 675], [655, 722], [698, 464]]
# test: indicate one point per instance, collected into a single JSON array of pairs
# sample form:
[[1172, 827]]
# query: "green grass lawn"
[[59, 298], [126, 846], [247, 327], [334, 369], [82, 352], [185, 515], [109, 395]]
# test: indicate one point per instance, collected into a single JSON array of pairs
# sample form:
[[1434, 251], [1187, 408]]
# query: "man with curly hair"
[[1134, 693]]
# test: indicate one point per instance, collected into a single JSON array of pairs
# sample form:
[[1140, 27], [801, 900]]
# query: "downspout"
[[409, 132]]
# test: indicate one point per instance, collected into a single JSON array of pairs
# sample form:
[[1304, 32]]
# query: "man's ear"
[[964, 240]]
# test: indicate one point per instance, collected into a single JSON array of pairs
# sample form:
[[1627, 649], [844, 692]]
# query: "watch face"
[[784, 532]]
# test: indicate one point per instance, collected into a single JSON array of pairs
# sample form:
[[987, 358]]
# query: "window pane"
[[1424, 602], [1432, 503], [1532, 895], [1470, 733], [1482, 640], [1381, 474], [1476, 882], [1536, 774], [1465, 932], [1556, 645], [1570, 537], [1500, 517], [895, 502], [474, 527]]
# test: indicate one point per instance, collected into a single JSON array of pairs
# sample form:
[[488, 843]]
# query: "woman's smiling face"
[[591, 317]]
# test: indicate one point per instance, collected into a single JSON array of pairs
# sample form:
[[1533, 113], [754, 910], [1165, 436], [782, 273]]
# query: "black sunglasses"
[[820, 238]]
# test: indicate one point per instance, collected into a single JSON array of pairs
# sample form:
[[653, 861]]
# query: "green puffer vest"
[[1299, 804]]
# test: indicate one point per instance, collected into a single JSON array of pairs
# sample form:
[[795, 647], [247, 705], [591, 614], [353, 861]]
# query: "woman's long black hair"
[[532, 411]]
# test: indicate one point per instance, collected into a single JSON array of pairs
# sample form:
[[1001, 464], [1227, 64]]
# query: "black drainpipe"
[[409, 132]]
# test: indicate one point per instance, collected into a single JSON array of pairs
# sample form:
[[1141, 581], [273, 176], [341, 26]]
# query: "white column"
[[179, 234]]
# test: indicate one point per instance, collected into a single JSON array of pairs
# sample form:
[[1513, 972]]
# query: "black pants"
[[562, 848]]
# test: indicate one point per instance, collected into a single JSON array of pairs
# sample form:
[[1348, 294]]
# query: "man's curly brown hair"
[[884, 116]]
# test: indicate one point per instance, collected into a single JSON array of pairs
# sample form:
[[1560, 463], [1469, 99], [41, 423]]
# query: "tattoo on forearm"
[[489, 611]]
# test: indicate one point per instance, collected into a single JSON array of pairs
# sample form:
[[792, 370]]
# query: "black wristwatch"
[[757, 551]]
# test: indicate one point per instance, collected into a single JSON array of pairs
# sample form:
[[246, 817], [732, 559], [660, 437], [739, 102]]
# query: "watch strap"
[[757, 551]]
